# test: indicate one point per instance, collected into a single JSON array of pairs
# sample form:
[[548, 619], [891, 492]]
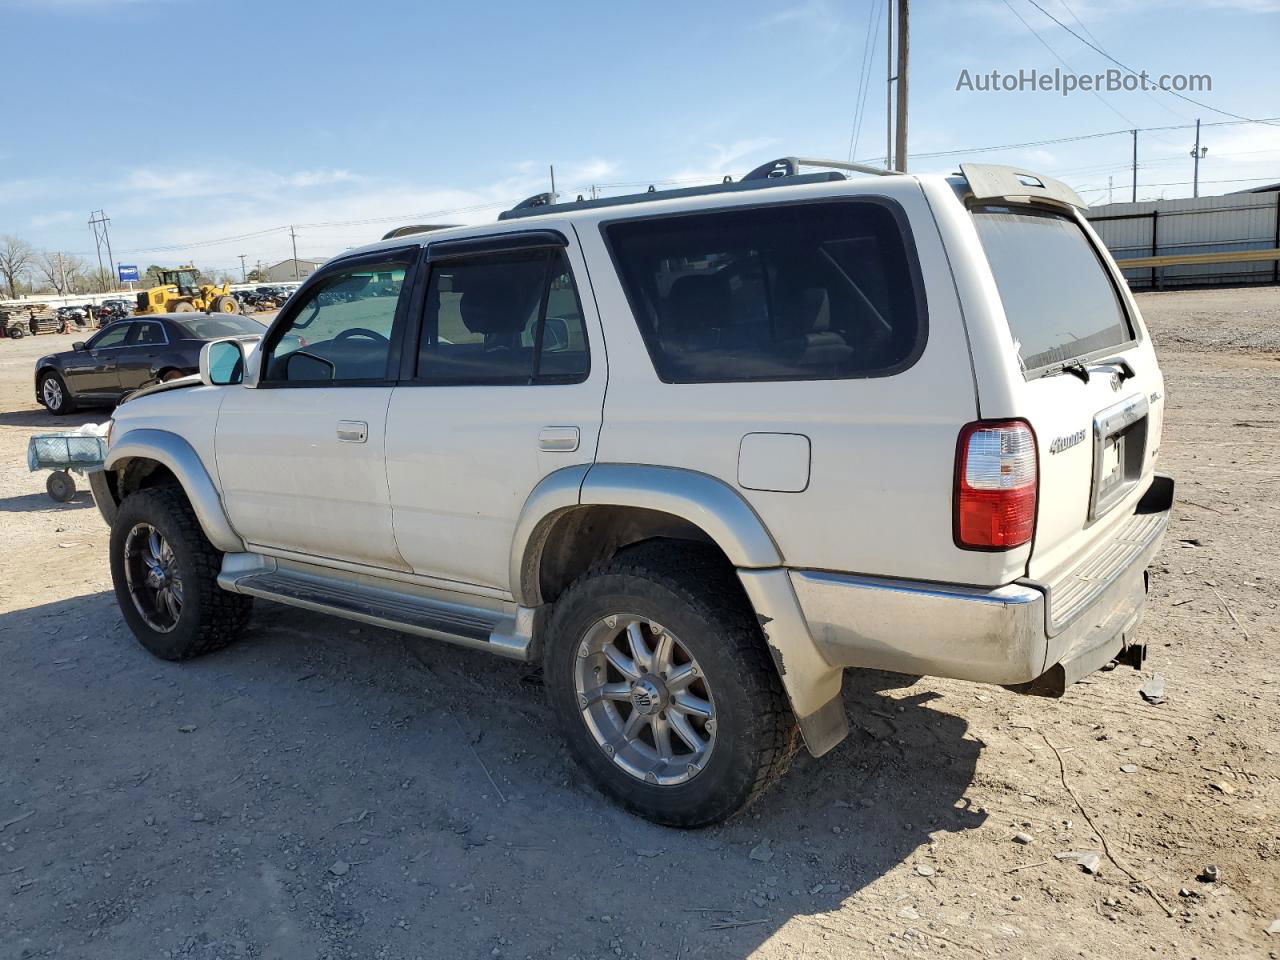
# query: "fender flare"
[[708, 503], [181, 459]]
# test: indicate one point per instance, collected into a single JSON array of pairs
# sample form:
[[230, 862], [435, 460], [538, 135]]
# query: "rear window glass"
[[1057, 296], [787, 292], [212, 327]]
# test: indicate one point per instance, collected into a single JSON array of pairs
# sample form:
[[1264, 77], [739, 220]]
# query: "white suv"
[[697, 451]]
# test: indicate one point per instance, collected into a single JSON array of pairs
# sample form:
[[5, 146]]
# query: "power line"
[[864, 76], [1094, 46], [1035, 33]]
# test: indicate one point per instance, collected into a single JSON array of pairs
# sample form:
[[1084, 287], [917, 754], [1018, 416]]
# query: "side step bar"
[[506, 635]]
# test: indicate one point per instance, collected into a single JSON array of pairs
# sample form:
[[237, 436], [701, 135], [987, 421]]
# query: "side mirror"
[[555, 335], [221, 363], [78, 345]]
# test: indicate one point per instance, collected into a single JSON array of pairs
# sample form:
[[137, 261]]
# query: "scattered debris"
[[909, 913], [1275, 926], [1088, 860], [358, 818], [925, 870], [1223, 787], [18, 819], [1153, 690], [1128, 768], [458, 723], [1230, 613], [761, 851], [339, 868], [1209, 874], [1028, 866], [648, 853], [1023, 838], [187, 728], [726, 924]]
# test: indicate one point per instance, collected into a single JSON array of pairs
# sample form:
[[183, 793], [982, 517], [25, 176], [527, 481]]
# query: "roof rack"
[[417, 228], [785, 171]]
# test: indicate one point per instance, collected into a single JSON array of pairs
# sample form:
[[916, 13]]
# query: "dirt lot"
[[321, 790]]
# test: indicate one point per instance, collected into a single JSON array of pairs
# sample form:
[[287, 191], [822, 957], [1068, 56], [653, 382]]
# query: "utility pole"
[[294, 237], [1197, 154], [244, 276], [902, 86], [1135, 166], [553, 183], [1110, 190], [99, 224], [888, 86]]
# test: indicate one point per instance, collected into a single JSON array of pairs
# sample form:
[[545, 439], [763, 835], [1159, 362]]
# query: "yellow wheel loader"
[[179, 292]]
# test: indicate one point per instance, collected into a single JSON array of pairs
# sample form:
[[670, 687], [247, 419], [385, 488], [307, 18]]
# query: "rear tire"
[[683, 596], [165, 573], [55, 396]]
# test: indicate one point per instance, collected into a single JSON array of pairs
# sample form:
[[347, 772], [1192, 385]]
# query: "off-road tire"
[[66, 404], [211, 617], [182, 306], [225, 304], [692, 591]]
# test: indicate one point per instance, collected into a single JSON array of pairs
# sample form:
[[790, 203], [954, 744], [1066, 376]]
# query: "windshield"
[[1057, 296], [211, 327]]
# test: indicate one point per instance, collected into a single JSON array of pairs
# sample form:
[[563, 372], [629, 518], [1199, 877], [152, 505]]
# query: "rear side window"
[[794, 292], [1057, 296], [503, 318]]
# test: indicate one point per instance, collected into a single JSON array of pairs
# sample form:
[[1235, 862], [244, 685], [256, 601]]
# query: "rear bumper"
[[1007, 635]]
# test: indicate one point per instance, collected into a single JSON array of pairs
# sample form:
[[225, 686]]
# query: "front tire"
[[165, 574], [55, 396], [657, 670]]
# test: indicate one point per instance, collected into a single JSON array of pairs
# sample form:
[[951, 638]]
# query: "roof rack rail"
[[784, 171], [416, 228], [790, 167]]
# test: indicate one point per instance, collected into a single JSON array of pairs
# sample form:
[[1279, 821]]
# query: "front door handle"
[[353, 431], [559, 439]]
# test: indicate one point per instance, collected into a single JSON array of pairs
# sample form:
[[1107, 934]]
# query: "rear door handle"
[[353, 431], [559, 439]]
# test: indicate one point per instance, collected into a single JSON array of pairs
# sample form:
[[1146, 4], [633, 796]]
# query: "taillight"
[[995, 496]]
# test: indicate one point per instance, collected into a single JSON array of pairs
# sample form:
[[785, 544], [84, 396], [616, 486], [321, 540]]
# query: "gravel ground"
[[322, 790]]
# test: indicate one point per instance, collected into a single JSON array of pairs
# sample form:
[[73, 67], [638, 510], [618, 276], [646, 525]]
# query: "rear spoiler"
[[994, 181]]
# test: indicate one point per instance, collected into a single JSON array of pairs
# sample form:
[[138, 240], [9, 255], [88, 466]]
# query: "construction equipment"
[[180, 291]]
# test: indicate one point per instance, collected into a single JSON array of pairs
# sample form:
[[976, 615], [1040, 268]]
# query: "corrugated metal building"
[[1232, 222]]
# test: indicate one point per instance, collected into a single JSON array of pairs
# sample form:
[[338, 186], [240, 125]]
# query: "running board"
[[503, 634]]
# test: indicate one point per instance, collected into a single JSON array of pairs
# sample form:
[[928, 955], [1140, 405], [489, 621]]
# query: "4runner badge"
[[1066, 443]]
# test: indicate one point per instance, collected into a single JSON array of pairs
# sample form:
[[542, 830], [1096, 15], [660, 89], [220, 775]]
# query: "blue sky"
[[245, 117]]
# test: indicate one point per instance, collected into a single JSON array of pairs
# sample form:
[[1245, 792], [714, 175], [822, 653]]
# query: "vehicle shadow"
[[32, 502], [337, 788], [39, 417]]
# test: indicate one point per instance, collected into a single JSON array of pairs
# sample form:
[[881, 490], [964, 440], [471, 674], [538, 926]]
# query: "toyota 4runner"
[[696, 451]]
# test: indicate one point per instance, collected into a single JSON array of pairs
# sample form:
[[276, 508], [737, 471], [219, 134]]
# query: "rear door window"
[[785, 292], [1058, 297], [503, 318]]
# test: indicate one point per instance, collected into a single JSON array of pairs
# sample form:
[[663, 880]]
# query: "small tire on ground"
[[64, 404], [211, 618], [61, 486], [691, 590]]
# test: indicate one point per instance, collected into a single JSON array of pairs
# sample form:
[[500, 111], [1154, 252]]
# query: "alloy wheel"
[[645, 700], [151, 572]]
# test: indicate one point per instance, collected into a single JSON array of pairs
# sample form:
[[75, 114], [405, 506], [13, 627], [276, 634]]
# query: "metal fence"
[[1217, 229]]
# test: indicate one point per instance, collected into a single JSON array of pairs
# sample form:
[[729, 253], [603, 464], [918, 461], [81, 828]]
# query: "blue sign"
[[128, 272]]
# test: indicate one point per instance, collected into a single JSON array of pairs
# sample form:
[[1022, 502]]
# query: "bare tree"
[[15, 259], [58, 269]]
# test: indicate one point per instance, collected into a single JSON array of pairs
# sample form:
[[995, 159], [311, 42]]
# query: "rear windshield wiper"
[[1076, 369]]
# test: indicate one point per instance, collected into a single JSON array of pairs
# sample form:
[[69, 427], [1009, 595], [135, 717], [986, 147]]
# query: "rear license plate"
[[1112, 474]]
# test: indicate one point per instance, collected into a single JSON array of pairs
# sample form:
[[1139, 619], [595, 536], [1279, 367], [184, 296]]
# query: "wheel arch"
[[143, 457], [580, 515]]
